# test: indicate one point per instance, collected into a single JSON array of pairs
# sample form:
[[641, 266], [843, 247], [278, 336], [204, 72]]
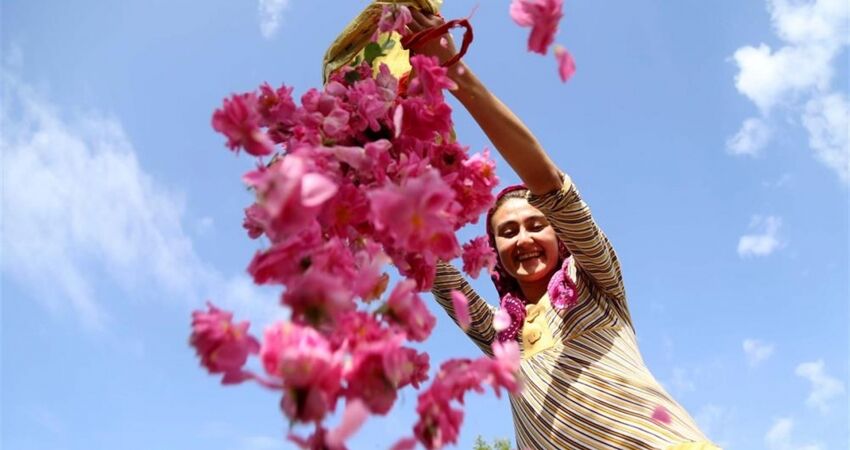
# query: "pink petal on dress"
[[661, 415]]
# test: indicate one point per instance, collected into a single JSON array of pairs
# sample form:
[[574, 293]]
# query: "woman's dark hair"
[[561, 288]]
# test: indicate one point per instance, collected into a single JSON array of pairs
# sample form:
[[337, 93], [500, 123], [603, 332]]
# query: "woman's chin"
[[532, 271]]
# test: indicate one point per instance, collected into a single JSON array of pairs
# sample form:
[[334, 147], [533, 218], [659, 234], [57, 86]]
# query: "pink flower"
[[286, 259], [239, 121], [255, 220], [477, 255], [277, 111], [504, 367], [429, 78], [393, 18], [290, 193], [405, 308], [418, 214], [317, 298], [542, 16], [308, 404], [353, 417], [461, 307], [566, 64], [403, 366], [439, 423], [298, 355], [368, 382], [660, 414], [423, 119], [474, 185], [222, 345]]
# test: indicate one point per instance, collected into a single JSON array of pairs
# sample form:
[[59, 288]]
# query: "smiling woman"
[[585, 383]]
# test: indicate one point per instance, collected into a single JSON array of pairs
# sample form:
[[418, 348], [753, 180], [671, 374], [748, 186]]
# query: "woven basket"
[[356, 35]]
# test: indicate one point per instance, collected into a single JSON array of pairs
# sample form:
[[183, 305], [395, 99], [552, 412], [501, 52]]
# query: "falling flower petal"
[[501, 320], [353, 417], [461, 306], [566, 64]]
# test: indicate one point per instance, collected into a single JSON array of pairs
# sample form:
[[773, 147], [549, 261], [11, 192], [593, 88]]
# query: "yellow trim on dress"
[[536, 335]]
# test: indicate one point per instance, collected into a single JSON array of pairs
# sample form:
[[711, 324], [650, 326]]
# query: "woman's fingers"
[[425, 20]]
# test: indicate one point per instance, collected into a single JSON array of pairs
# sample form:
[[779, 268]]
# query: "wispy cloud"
[[765, 239], [750, 139], [799, 73], [779, 437], [78, 208], [824, 387], [756, 351], [271, 12]]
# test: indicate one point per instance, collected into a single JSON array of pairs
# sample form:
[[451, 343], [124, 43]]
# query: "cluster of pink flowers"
[[357, 175], [543, 17]]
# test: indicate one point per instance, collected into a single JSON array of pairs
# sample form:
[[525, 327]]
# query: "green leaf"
[[372, 51]]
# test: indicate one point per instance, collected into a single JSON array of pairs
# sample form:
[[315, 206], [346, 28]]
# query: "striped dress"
[[585, 383]]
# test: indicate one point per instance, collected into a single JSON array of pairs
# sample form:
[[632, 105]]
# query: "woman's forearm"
[[512, 139]]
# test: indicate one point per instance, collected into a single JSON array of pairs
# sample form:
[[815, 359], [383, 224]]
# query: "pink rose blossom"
[[542, 16], [405, 308], [255, 221], [239, 120], [317, 298], [477, 255], [290, 193], [223, 346], [393, 18], [417, 214], [429, 78]]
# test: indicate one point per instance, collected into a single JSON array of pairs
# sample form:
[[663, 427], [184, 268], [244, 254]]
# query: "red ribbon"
[[412, 41]]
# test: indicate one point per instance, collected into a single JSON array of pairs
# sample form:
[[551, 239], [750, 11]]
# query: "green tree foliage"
[[498, 444]]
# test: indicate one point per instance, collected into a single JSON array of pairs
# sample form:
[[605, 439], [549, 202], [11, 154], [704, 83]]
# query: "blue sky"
[[709, 138]]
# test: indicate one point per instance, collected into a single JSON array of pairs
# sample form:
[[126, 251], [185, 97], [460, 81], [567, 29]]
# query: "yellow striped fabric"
[[591, 388]]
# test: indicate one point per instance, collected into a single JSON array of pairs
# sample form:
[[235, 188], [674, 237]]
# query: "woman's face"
[[526, 243]]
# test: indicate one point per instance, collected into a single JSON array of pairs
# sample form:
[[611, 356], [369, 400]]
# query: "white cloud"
[[750, 139], [827, 118], [768, 78], [779, 437], [824, 386], [270, 15], [766, 239], [78, 211], [800, 72], [756, 351]]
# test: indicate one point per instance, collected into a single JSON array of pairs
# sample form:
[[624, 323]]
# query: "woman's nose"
[[524, 237]]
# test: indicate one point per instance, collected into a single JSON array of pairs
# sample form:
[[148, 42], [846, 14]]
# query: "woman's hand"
[[443, 47]]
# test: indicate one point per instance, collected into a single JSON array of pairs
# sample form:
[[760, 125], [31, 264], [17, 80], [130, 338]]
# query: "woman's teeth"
[[526, 256]]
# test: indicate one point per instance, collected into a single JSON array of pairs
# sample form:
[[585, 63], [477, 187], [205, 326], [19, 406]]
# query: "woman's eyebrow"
[[505, 224]]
